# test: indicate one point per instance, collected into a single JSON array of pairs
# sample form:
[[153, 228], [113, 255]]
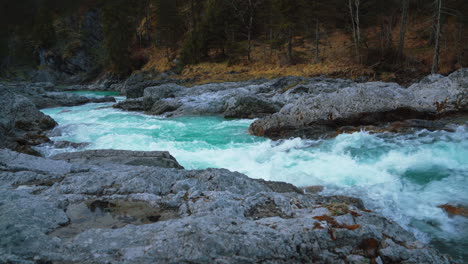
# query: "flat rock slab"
[[85, 213], [124, 157]]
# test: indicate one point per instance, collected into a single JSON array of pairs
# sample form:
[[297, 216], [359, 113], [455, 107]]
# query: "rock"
[[125, 157], [68, 144], [330, 106], [126, 214], [316, 107], [406, 126], [455, 210], [22, 125], [156, 93], [249, 107], [209, 99], [42, 97], [160, 107], [134, 104], [75, 60], [152, 100], [136, 84], [313, 189]]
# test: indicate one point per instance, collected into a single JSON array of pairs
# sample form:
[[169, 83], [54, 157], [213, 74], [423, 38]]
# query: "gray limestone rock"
[[125, 157], [115, 213]]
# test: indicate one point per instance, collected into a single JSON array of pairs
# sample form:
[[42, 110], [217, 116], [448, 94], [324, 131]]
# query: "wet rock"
[[68, 144], [347, 103], [160, 107], [207, 99], [127, 214], [313, 189], [280, 187], [22, 125], [134, 104], [406, 126], [452, 210], [136, 84], [43, 96], [124, 157], [249, 107]]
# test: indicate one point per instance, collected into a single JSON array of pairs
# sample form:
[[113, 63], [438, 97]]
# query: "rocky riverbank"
[[313, 107], [22, 125], [113, 206], [54, 211]]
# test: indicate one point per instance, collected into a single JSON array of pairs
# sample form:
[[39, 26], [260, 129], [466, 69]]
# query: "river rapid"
[[403, 177]]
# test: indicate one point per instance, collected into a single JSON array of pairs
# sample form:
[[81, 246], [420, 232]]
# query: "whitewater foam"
[[404, 177]]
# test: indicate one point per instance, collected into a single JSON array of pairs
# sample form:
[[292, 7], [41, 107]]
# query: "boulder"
[[43, 96], [136, 84], [373, 103], [126, 157], [134, 104], [249, 107], [22, 125], [162, 106]]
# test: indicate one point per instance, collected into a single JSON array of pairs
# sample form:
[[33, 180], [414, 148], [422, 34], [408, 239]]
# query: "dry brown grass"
[[336, 58]]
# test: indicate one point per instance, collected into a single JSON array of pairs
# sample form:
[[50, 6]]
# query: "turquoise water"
[[96, 93], [404, 177]]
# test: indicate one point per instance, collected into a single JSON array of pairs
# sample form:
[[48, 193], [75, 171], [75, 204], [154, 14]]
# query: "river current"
[[404, 177]]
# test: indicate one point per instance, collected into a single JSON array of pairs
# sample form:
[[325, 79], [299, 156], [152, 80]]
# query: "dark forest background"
[[396, 40]]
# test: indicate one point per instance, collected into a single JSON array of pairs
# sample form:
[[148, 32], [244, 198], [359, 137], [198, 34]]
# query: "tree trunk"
[[317, 42], [404, 21], [354, 14], [435, 61], [290, 48], [147, 24], [192, 14], [249, 36], [460, 43], [271, 42], [358, 30]]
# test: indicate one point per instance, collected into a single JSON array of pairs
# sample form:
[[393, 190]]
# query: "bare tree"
[[404, 22], [438, 12], [354, 6], [317, 41], [245, 11]]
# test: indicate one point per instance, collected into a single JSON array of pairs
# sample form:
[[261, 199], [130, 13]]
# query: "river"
[[403, 177]]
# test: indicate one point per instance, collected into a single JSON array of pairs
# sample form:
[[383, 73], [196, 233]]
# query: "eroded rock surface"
[[310, 107], [160, 215], [325, 106], [44, 95], [22, 125], [125, 157]]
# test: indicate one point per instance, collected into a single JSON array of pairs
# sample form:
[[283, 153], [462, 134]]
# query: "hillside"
[[229, 40]]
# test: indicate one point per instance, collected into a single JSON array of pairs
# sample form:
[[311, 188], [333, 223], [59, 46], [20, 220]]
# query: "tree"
[[169, 25], [354, 6], [289, 20], [404, 21], [438, 25], [213, 33], [245, 10], [119, 20]]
